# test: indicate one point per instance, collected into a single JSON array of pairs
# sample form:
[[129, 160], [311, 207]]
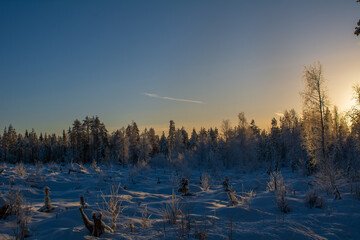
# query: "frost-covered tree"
[[291, 135], [119, 146], [193, 140], [132, 132], [154, 142], [315, 104], [163, 145], [276, 147], [144, 147], [99, 139]]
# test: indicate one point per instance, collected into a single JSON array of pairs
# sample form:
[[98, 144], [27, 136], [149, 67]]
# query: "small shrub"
[[233, 199], [172, 209], [95, 167], [15, 202], [112, 205], [205, 181], [226, 184], [21, 230], [145, 216], [276, 182], [312, 199], [282, 203], [329, 177], [184, 187], [20, 170], [201, 233], [247, 198]]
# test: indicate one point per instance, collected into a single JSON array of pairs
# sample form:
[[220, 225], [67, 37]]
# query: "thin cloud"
[[279, 114], [173, 99]]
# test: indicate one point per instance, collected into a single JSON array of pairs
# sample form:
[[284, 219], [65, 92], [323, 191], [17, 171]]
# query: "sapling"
[[226, 184], [131, 225], [205, 181], [47, 207], [184, 187], [281, 201], [233, 200], [172, 209], [145, 217]]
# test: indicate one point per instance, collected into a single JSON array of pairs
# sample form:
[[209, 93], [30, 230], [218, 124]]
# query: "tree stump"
[[89, 225], [98, 226]]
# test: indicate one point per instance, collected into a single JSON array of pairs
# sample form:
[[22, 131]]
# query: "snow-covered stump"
[[97, 227], [47, 207], [89, 225], [83, 204]]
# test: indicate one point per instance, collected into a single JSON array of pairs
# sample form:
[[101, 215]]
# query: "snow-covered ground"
[[210, 212]]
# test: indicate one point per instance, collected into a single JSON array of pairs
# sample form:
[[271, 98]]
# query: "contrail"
[[173, 99]]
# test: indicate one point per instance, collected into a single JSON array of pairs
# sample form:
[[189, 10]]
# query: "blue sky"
[[62, 60]]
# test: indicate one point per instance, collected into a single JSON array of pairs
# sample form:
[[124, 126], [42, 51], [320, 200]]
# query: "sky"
[[194, 62]]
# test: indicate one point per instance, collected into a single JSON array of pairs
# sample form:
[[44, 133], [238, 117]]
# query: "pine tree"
[[193, 141], [154, 142], [132, 133], [171, 139], [163, 145]]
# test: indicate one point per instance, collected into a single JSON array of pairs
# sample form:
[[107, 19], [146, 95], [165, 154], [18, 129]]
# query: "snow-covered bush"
[[145, 218], [312, 199], [20, 170], [281, 201], [329, 178], [233, 199], [184, 187], [247, 197], [205, 181], [94, 167], [276, 182], [15, 201], [21, 230]]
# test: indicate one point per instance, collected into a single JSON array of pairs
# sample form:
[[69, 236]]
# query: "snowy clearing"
[[205, 214]]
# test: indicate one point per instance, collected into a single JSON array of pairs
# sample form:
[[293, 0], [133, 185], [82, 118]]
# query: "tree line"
[[322, 135]]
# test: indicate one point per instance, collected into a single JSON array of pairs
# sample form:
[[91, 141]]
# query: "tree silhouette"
[[357, 29]]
